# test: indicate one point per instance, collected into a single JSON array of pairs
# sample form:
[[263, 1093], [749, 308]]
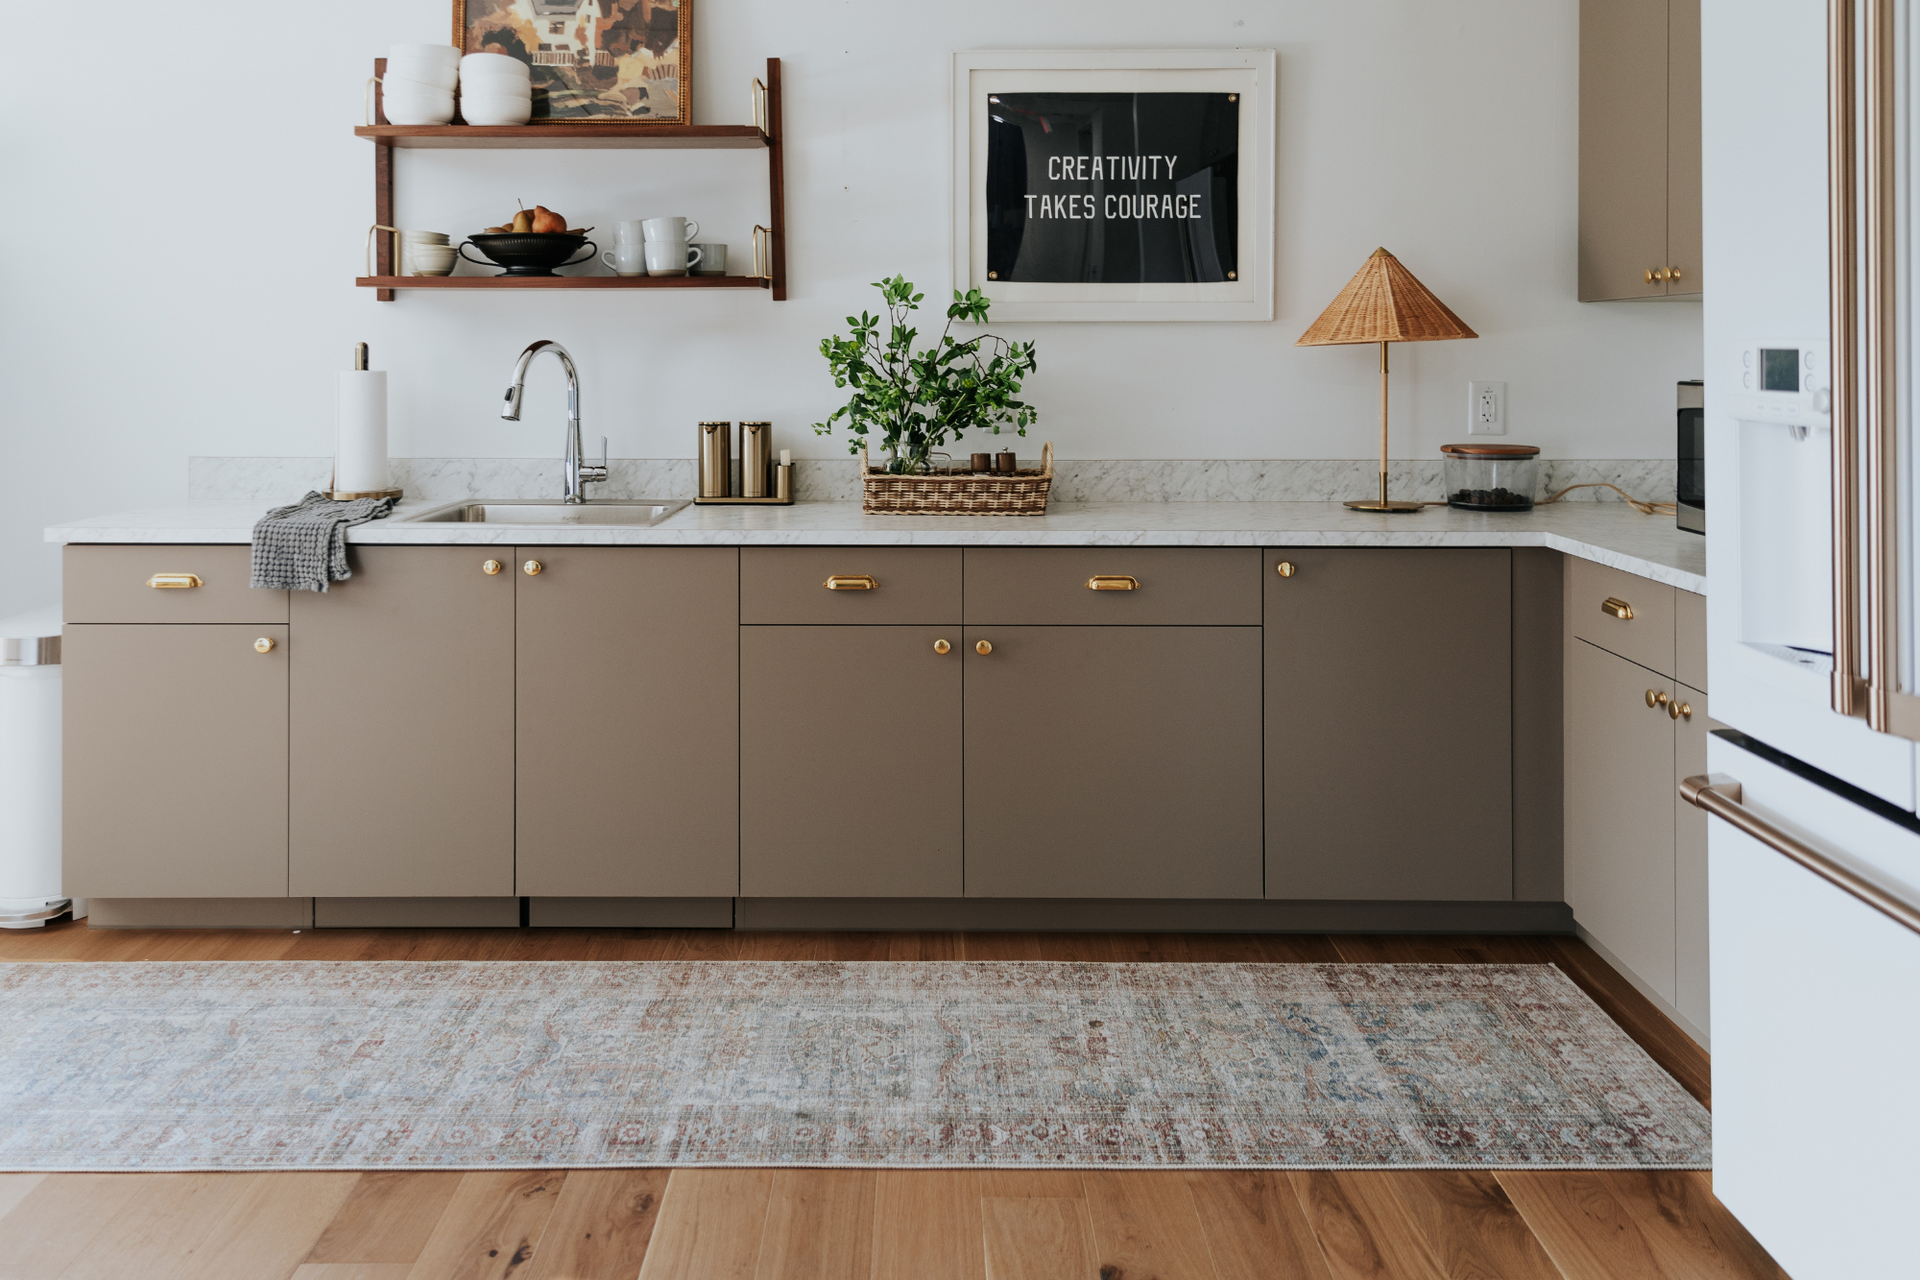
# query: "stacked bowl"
[[427, 253], [418, 85], [495, 89]]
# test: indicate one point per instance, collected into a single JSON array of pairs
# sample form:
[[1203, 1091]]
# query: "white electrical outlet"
[[1486, 408]]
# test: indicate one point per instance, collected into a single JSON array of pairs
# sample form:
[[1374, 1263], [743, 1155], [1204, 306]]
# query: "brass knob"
[[1676, 709], [941, 646], [1656, 698], [263, 645], [983, 648], [532, 568], [491, 567], [1650, 275], [1673, 273], [1285, 569]]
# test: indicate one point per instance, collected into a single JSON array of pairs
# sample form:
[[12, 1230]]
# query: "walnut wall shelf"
[[600, 137]]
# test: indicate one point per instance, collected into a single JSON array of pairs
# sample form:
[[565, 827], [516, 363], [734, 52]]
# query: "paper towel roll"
[[360, 432]]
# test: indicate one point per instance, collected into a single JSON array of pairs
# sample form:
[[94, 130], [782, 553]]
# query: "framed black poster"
[[1115, 185]]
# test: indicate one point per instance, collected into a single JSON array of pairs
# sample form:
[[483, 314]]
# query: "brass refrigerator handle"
[[1843, 352], [1720, 795], [1881, 357]]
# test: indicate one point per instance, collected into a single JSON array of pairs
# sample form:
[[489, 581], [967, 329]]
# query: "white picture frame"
[[1252, 74]]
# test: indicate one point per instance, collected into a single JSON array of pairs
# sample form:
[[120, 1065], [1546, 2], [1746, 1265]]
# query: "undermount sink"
[[637, 511]]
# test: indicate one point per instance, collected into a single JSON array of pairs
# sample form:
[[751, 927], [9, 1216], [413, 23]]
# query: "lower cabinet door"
[[849, 762], [175, 751], [1619, 810], [628, 728], [1113, 762], [1690, 967], [1389, 690], [401, 706]]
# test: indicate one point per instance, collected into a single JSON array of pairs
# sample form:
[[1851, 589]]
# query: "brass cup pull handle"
[[263, 645], [1285, 569], [984, 648], [941, 646], [852, 582], [1656, 699], [532, 568], [1113, 582], [1615, 607], [174, 580], [491, 567], [1676, 709]]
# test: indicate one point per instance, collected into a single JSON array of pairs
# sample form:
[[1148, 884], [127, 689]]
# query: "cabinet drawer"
[[1163, 586], [1646, 637], [114, 584], [912, 586]]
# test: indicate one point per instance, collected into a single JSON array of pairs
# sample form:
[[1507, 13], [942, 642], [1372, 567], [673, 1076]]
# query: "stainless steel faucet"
[[578, 473]]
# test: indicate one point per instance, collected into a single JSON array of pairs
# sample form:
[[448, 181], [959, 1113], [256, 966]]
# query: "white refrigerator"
[[1808, 119]]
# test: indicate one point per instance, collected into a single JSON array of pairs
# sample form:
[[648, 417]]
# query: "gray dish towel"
[[304, 546]]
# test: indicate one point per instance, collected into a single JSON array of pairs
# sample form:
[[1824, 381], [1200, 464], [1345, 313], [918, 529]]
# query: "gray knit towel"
[[304, 546]]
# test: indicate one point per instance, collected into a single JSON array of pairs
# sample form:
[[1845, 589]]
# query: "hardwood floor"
[[804, 1224]]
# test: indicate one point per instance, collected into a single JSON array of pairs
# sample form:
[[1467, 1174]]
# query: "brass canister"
[[756, 458], [783, 483], [716, 462]]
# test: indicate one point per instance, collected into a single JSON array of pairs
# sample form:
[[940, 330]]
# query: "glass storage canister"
[[1491, 477]]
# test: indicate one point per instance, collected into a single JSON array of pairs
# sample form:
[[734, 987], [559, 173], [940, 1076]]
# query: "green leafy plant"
[[917, 403]]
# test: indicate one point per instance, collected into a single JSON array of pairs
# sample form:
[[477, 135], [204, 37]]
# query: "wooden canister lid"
[[1490, 450]]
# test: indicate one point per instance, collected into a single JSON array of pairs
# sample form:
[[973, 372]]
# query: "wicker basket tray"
[[1024, 493]]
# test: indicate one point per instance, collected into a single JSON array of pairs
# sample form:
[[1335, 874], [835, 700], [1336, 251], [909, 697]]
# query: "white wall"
[[187, 219]]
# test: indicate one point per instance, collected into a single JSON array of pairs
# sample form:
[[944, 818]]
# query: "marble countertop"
[[1609, 533]]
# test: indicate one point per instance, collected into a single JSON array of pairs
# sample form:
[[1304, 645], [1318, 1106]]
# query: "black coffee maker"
[[1690, 495]]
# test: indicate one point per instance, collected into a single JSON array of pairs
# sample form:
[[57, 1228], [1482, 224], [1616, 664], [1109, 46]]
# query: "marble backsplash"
[[274, 480]]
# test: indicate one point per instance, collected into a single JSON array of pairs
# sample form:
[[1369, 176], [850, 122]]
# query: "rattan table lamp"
[[1384, 303]]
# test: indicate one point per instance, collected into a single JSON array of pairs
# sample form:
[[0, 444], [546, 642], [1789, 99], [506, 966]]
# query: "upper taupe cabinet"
[[1639, 149]]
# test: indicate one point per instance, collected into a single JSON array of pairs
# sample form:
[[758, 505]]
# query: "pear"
[[522, 222], [546, 221]]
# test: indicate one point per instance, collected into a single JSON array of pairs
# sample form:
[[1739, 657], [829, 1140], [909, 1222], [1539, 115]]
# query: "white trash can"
[[30, 770]]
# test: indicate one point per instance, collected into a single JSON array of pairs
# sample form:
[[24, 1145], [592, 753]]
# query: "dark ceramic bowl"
[[529, 253]]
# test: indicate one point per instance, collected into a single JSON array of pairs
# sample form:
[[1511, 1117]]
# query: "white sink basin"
[[637, 511]]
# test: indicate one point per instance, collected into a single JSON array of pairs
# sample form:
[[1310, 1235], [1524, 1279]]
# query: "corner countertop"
[[1609, 533]]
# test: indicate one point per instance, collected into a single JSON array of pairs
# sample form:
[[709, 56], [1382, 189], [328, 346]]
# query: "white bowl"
[[406, 105], [435, 74], [443, 54], [426, 237], [437, 269], [499, 63], [495, 109], [495, 82]]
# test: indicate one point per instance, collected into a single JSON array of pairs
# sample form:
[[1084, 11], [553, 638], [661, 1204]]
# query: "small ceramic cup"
[[713, 259], [629, 233], [627, 258], [670, 258], [681, 229]]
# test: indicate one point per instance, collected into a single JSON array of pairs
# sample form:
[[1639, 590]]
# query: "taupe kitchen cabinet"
[[627, 685], [1636, 871], [850, 722], [175, 725], [1640, 229], [401, 706], [1389, 761]]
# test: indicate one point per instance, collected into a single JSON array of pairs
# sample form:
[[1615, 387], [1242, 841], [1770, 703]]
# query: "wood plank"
[[267, 1230], [387, 1218], [709, 1225], [1690, 1231], [601, 1225], [14, 1188], [1469, 1224], [1362, 1230], [1032, 1184], [924, 946], [58, 1218], [1037, 1239], [1582, 1224], [819, 1226], [492, 1226], [168, 1217], [1253, 1226], [351, 1271], [1145, 1224], [926, 1225], [1385, 948], [1003, 946]]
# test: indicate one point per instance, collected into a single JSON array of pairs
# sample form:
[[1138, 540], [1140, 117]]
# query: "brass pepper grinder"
[[1005, 463]]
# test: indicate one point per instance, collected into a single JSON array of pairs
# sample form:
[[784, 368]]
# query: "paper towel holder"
[[344, 495]]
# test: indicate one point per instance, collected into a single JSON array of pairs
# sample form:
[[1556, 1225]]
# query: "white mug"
[[629, 233], [713, 259], [670, 257], [681, 229], [627, 258]]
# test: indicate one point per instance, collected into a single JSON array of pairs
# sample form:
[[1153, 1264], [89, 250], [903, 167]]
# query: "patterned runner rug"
[[303, 1065]]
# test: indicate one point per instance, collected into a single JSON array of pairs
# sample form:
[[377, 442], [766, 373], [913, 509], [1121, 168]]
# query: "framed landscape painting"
[[628, 61]]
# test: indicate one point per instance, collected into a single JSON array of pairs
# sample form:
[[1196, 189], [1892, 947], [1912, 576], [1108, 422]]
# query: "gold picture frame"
[[593, 61]]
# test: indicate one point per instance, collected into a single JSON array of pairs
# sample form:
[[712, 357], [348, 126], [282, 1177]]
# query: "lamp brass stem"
[[1383, 424]]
